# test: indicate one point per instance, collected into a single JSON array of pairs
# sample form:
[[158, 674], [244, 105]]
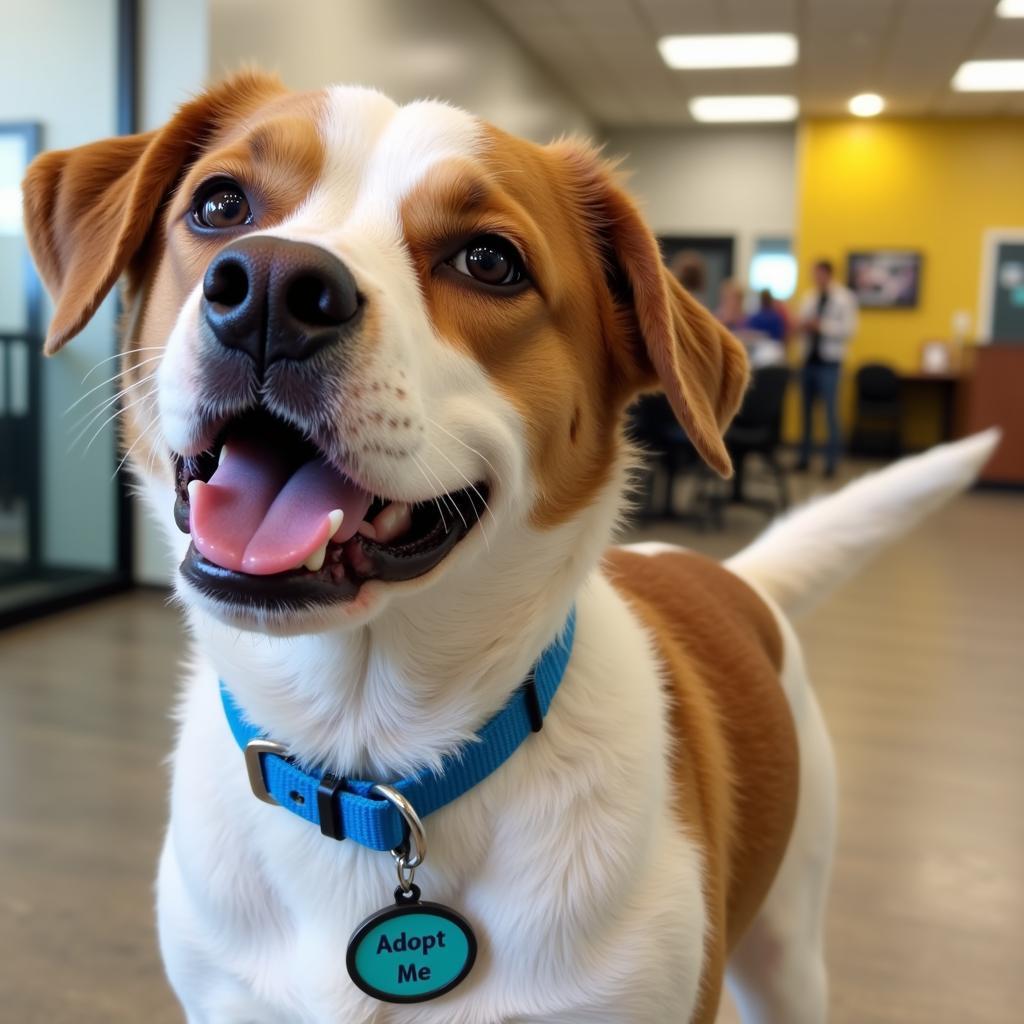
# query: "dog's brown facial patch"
[[544, 346], [600, 321], [276, 155]]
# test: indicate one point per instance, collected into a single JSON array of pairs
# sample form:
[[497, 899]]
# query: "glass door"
[[20, 339], [62, 504], [1008, 293]]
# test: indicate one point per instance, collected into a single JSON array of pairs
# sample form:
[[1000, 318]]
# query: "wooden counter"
[[993, 395]]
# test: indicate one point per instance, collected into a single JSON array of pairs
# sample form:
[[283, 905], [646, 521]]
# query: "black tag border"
[[409, 910]]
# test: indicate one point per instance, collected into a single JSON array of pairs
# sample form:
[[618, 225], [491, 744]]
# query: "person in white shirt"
[[828, 319]]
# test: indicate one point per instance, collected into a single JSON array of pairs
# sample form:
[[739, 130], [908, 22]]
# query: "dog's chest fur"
[[586, 894]]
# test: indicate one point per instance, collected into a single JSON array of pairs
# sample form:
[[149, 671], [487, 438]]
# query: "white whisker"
[[124, 458], [483, 458], [93, 414], [110, 419], [448, 499], [109, 380], [472, 487], [420, 466], [118, 355]]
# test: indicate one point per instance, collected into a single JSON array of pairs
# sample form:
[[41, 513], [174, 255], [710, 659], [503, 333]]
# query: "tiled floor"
[[920, 667]]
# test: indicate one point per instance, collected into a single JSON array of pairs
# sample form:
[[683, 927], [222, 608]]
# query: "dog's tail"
[[806, 554]]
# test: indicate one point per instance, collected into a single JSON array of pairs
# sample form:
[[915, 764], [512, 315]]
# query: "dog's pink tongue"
[[261, 516]]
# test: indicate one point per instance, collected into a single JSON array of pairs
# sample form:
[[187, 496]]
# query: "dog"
[[377, 360]]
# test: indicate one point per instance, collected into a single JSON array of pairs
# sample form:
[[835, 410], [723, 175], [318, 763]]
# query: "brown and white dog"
[[377, 360]]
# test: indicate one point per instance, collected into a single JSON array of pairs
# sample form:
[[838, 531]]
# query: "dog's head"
[[375, 347]]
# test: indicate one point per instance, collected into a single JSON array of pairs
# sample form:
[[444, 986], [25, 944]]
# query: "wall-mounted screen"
[[885, 278]]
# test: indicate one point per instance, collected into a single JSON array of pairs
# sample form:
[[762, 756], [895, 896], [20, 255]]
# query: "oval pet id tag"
[[412, 951]]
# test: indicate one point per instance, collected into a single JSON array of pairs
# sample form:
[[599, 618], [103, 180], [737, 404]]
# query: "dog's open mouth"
[[273, 522]]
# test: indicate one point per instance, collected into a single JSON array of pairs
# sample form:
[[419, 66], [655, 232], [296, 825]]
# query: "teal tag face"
[[411, 952]]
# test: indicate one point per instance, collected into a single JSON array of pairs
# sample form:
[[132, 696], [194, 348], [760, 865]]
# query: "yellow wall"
[[930, 185]]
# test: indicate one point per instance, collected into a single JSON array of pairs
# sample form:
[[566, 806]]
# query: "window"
[[773, 267]]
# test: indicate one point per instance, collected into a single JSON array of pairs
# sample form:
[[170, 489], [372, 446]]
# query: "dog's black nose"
[[277, 299]]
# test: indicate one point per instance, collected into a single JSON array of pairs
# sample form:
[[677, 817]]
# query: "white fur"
[[585, 894]]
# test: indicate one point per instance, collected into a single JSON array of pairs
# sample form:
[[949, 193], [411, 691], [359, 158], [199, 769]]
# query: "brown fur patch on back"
[[736, 768]]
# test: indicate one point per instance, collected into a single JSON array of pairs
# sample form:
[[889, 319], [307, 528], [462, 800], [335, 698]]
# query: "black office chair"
[[757, 430], [878, 415], [670, 454]]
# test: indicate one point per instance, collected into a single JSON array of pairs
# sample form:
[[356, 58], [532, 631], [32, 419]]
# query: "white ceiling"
[[603, 52]]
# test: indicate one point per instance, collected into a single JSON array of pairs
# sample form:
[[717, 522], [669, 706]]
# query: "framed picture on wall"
[[885, 278]]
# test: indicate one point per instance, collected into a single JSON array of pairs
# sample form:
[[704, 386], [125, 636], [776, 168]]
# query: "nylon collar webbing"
[[345, 808]]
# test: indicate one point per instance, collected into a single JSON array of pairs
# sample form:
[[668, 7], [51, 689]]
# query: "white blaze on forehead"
[[376, 153]]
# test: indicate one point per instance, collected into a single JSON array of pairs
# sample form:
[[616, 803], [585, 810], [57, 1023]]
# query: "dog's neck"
[[385, 699]]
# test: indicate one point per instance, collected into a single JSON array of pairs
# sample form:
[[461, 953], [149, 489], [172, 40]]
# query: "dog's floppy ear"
[[88, 210], [673, 341]]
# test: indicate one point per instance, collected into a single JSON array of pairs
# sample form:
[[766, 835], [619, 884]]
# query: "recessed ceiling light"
[[1010, 9], [867, 104], [757, 50], [744, 108], [990, 76]]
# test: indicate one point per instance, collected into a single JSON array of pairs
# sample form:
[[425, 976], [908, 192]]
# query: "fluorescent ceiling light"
[[867, 104], [744, 108], [990, 76], [757, 50], [1010, 9]]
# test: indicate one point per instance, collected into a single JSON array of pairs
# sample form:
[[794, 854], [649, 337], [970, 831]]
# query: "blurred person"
[[689, 269], [828, 319], [788, 324], [767, 321], [730, 312]]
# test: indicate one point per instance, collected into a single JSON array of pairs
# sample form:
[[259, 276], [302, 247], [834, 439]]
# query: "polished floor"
[[919, 664]]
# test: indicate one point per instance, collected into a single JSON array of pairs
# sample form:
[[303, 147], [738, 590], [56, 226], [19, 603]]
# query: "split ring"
[[417, 835]]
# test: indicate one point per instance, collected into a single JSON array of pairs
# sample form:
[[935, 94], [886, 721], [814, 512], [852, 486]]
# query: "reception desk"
[[992, 394]]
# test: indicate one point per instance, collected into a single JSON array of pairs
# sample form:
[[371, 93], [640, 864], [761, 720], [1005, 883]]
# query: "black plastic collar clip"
[[531, 701], [330, 818]]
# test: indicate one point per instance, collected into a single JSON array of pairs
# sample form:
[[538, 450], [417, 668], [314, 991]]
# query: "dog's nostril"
[[312, 300], [226, 283]]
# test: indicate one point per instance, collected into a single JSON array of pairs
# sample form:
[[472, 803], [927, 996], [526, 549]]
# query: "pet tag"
[[412, 951]]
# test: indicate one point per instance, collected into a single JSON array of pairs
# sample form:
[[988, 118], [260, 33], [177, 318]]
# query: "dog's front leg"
[[188, 970], [207, 994]]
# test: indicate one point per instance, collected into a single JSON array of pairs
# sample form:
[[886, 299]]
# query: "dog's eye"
[[221, 205], [490, 259]]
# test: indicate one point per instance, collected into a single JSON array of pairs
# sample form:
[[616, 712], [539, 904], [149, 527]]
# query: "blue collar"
[[347, 809]]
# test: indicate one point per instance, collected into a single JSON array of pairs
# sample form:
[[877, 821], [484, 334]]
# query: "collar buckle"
[[255, 751]]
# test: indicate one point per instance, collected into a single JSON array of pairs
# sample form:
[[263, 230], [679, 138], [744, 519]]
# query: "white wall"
[[738, 181], [174, 56], [411, 49], [57, 67]]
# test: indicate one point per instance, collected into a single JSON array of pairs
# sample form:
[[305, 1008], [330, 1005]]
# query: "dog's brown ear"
[[673, 342], [88, 210]]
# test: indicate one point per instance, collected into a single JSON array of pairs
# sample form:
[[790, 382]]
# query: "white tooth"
[[315, 561], [334, 520], [193, 489], [392, 521], [222, 453]]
